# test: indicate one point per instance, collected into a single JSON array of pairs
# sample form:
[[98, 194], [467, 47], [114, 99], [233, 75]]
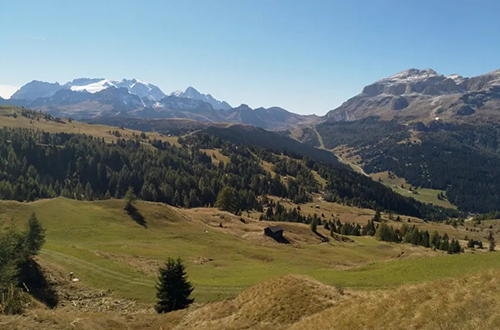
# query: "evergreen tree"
[[226, 200], [369, 229], [173, 288], [470, 243], [445, 244], [492, 242], [35, 235], [435, 240], [314, 225], [129, 199]]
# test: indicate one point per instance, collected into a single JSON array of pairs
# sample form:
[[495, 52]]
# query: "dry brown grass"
[[464, 303], [251, 229], [56, 320], [73, 127], [216, 156], [272, 304], [300, 303]]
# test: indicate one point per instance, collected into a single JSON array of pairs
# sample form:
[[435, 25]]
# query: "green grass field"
[[424, 195], [104, 247]]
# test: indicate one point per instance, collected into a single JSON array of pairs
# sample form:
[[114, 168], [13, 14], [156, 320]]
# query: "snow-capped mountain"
[[414, 95], [134, 86], [37, 89], [93, 98], [191, 93]]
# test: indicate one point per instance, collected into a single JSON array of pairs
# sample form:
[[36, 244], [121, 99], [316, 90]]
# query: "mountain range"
[[99, 98], [410, 96], [425, 95], [435, 131]]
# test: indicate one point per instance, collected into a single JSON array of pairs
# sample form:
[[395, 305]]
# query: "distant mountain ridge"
[[191, 93], [40, 89], [425, 95], [92, 98]]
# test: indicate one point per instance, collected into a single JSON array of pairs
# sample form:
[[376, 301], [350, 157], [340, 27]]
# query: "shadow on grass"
[[34, 281], [280, 239], [323, 237], [134, 213]]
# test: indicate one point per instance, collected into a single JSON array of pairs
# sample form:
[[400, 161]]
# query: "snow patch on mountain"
[[92, 87], [458, 79], [192, 93], [134, 86], [410, 75]]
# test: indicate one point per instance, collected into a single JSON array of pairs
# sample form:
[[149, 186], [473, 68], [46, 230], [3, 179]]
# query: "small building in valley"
[[275, 232]]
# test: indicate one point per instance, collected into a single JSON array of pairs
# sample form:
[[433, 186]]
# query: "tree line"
[[36, 164], [374, 227]]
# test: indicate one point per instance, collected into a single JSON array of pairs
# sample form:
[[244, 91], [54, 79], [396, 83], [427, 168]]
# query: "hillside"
[[116, 260], [177, 171], [464, 303], [461, 160], [10, 117], [108, 250]]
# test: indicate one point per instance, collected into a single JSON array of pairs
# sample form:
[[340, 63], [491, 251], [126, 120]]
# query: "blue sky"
[[305, 56]]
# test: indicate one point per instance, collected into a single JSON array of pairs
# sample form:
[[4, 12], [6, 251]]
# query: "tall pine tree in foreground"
[[173, 288]]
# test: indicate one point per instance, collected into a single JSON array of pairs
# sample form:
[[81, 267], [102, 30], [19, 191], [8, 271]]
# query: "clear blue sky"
[[305, 56]]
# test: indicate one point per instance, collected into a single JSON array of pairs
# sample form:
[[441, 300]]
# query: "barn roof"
[[275, 229]]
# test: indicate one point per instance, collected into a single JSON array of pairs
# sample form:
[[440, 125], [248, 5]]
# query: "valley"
[[326, 174], [249, 165]]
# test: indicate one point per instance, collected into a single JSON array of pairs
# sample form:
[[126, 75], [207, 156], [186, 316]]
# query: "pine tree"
[[470, 243], [314, 225], [492, 242], [107, 195], [35, 235], [129, 199], [435, 240], [226, 199], [173, 288], [269, 212]]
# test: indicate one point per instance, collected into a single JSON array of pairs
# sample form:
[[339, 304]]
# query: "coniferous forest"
[[462, 159], [36, 164]]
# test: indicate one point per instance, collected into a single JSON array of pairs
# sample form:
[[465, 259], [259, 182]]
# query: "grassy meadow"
[[103, 246], [400, 186]]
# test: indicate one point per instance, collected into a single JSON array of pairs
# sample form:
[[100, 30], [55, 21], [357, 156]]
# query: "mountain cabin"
[[275, 232]]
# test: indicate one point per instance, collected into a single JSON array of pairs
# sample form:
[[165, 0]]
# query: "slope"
[[108, 250], [463, 303]]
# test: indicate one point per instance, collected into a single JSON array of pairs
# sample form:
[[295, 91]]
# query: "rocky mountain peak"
[[424, 95]]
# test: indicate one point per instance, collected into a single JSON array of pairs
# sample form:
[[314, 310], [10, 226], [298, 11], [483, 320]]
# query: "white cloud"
[[6, 91], [36, 37]]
